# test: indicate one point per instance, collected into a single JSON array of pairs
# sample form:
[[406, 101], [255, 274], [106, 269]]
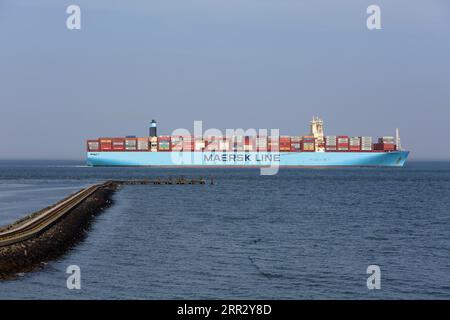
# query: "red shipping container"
[[105, 144], [384, 147], [118, 144]]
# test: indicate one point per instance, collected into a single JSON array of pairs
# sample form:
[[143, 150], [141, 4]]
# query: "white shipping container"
[[199, 145], [142, 145], [94, 145], [354, 142], [224, 145]]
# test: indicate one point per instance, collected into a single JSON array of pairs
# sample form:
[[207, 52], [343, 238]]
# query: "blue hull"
[[247, 159]]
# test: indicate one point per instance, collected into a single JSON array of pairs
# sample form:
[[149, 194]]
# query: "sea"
[[301, 234]]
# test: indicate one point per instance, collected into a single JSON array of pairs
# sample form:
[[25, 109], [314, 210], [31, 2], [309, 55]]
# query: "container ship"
[[312, 150]]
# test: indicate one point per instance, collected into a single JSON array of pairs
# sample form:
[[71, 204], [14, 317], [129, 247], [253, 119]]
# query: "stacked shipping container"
[[385, 144], [142, 144], [285, 143], [330, 143], [164, 143], [273, 144], [366, 143], [240, 144], [130, 144], [93, 145], [261, 143], [342, 143], [118, 144], [354, 144], [177, 143], [188, 143], [296, 144], [308, 144]]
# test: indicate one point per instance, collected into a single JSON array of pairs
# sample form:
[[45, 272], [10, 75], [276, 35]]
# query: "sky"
[[230, 63]]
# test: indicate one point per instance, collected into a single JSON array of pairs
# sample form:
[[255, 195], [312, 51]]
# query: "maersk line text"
[[239, 157]]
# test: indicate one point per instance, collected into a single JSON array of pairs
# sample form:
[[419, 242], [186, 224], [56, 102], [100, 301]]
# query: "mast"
[[397, 139]]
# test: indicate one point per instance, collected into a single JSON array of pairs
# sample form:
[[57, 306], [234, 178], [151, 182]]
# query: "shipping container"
[[93, 145], [130, 144], [164, 143], [342, 140], [237, 143], [199, 146], [105, 144], [142, 144], [176, 143], [261, 143], [330, 140], [188, 147], [224, 145], [273, 144], [308, 146], [355, 141], [118, 144], [296, 145], [384, 147], [386, 140], [213, 143]]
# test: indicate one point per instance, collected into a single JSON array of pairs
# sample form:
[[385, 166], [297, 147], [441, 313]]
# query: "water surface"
[[304, 233]]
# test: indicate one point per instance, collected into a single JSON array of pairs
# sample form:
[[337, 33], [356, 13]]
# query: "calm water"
[[304, 233]]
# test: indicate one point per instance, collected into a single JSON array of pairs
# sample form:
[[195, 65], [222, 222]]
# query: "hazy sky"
[[230, 63]]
